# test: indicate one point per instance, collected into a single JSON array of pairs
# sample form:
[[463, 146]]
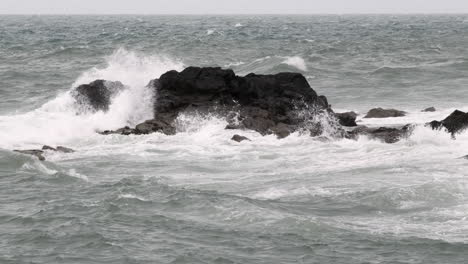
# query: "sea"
[[199, 197]]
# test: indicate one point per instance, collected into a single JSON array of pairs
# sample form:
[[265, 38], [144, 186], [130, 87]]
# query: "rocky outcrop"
[[385, 134], [384, 113], [455, 123], [347, 119], [97, 95], [239, 138], [429, 109], [269, 104]]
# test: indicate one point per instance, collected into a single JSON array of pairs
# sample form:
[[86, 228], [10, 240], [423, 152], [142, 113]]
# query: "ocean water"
[[198, 197]]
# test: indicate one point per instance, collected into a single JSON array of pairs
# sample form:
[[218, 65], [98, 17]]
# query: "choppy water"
[[198, 197]]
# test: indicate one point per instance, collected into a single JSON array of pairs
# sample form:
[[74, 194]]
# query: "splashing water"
[[59, 121]]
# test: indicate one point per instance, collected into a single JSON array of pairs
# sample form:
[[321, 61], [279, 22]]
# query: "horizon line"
[[230, 14]]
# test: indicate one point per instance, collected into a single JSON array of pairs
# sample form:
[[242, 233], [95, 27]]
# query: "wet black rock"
[[429, 109], [97, 95], [455, 123], [386, 134], [384, 113], [269, 104], [239, 138], [347, 119]]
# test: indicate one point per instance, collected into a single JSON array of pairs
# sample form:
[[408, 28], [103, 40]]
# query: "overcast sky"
[[230, 6]]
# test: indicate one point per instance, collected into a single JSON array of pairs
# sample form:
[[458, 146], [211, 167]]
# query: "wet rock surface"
[[429, 109], [239, 138], [384, 113], [455, 123], [269, 104], [98, 94], [347, 119]]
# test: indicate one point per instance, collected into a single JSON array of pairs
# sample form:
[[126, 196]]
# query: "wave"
[[297, 62], [59, 121]]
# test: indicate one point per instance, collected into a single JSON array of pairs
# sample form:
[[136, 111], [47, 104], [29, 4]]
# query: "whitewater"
[[199, 197]]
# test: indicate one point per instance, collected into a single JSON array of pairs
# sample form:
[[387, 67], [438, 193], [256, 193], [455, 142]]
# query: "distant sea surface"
[[198, 197]]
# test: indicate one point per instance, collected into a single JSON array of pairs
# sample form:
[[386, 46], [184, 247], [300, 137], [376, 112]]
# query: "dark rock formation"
[[34, 152], [386, 134], [429, 109], [98, 94], [455, 123], [384, 113], [269, 104], [347, 119], [239, 138]]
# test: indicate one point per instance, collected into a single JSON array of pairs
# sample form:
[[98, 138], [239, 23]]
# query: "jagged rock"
[[386, 134], [455, 123], [384, 113], [239, 138], [98, 94], [34, 152], [347, 119], [268, 104], [429, 109]]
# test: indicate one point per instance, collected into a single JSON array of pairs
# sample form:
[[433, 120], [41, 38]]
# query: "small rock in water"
[[347, 119], [239, 138], [429, 109], [386, 134], [64, 149], [33, 152], [384, 113]]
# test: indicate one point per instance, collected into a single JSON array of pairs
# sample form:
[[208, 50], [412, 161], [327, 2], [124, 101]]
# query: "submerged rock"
[[455, 123], [239, 138], [58, 149], [269, 104], [64, 149], [34, 152], [39, 152], [347, 119], [386, 134], [98, 94], [429, 109], [45, 147], [384, 113]]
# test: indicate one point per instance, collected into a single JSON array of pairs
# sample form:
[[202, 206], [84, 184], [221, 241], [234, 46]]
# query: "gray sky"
[[229, 6]]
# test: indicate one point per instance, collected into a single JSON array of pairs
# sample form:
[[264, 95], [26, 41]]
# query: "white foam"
[[73, 173], [296, 62], [59, 121], [131, 196]]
